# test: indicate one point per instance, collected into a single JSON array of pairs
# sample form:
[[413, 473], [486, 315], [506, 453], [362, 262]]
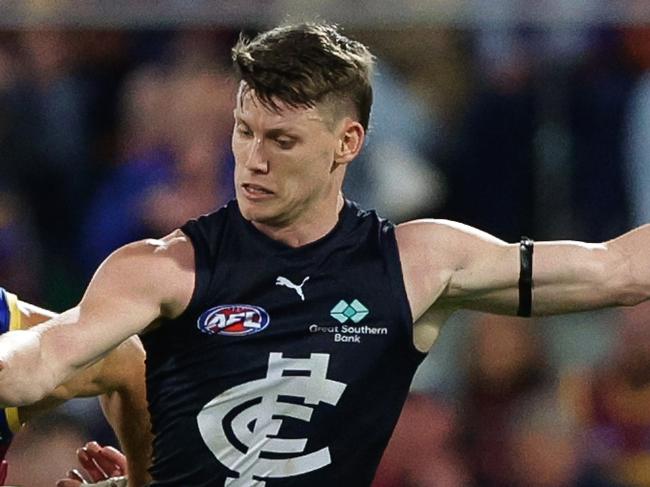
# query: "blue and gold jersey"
[[10, 319], [290, 366]]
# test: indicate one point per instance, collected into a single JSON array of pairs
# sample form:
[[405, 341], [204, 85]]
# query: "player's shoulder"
[[160, 269], [444, 242], [430, 230], [441, 230], [435, 224], [173, 247], [213, 221]]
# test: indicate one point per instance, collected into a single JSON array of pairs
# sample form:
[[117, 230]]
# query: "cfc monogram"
[[252, 415]]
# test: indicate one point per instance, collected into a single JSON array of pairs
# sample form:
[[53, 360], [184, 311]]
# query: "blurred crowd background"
[[115, 130]]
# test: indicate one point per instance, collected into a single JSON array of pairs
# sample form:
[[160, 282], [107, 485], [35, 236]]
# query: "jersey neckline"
[[343, 225]]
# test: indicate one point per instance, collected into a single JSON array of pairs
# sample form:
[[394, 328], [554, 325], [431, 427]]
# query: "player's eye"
[[244, 131], [285, 143]]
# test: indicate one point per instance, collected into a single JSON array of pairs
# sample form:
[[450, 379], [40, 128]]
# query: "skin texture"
[[290, 165], [98, 463], [462, 267], [118, 380]]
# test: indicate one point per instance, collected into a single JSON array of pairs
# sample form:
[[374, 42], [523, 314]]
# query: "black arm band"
[[525, 277]]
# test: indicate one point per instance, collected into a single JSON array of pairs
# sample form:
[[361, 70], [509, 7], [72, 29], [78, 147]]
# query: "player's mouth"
[[256, 192]]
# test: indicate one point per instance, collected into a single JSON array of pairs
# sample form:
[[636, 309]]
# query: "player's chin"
[[258, 211]]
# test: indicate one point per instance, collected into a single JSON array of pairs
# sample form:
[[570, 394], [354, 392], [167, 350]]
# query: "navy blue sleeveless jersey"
[[290, 366]]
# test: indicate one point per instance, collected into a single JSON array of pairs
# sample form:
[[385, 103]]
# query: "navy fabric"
[[290, 366]]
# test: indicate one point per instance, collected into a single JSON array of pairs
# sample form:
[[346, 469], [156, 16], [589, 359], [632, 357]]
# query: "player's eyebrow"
[[277, 132], [272, 133], [240, 119]]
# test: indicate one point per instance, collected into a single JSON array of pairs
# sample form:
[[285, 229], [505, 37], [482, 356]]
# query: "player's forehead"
[[250, 109]]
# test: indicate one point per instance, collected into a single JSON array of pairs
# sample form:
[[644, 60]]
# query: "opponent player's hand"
[[99, 462]]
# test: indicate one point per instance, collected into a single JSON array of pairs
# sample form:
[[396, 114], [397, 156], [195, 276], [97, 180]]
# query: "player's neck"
[[309, 227]]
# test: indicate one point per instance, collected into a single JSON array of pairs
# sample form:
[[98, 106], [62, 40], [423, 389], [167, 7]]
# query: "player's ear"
[[350, 141]]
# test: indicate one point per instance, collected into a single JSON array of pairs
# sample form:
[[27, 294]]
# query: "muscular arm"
[[450, 266], [118, 379], [133, 287], [125, 408]]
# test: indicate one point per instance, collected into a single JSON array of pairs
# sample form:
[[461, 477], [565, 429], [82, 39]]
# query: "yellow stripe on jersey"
[[13, 421], [15, 320], [15, 323]]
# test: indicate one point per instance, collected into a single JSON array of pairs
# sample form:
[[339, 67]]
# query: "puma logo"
[[283, 281]]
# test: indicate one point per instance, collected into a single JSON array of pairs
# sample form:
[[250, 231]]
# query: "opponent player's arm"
[[12, 318], [456, 266], [119, 381], [136, 285], [125, 408]]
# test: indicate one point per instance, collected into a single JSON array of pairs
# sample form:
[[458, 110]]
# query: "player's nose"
[[256, 159]]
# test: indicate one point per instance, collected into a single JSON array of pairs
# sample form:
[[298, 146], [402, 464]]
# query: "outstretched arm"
[[119, 380], [134, 286], [450, 265]]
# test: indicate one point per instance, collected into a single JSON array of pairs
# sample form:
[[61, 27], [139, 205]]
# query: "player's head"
[[303, 107]]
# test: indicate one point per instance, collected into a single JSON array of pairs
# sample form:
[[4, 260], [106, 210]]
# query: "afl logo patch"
[[233, 320]]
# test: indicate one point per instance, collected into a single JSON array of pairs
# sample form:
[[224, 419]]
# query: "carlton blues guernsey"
[[290, 365]]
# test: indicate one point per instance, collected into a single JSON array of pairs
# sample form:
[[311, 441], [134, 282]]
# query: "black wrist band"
[[525, 277]]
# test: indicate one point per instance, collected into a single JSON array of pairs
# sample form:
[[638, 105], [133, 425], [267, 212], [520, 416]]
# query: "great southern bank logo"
[[233, 320], [354, 311]]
